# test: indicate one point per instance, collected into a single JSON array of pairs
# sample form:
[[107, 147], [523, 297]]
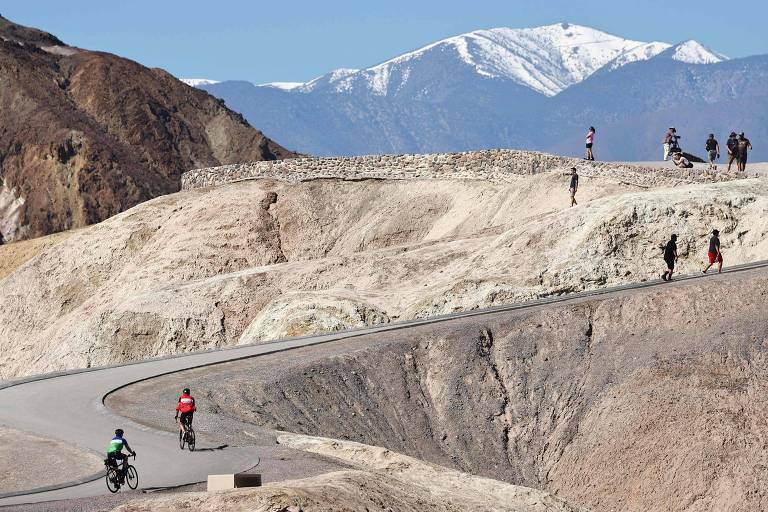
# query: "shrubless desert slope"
[[642, 400], [258, 260]]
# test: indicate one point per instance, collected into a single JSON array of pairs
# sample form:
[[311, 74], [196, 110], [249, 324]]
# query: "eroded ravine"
[[649, 397]]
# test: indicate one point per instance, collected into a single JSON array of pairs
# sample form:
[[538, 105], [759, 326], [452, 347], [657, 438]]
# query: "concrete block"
[[236, 481]]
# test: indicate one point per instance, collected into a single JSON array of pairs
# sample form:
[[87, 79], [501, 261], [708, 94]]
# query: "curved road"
[[69, 406]]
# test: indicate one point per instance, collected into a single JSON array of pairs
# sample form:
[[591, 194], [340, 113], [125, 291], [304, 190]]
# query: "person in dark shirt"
[[574, 185], [731, 146], [742, 145], [713, 151], [670, 257], [714, 254]]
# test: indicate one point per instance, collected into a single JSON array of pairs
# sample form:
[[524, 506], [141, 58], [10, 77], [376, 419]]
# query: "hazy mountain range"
[[537, 88]]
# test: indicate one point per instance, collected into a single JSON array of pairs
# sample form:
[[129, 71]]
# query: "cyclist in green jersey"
[[115, 450]]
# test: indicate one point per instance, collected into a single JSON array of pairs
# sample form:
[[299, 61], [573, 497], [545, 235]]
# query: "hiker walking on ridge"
[[670, 257], [742, 145], [574, 184], [713, 151], [590, 142], [731, 146], [670, 141], [714, 254]]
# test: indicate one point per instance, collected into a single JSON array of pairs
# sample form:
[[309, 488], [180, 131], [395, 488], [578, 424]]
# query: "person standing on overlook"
[[742, 145], [669, 139], [590, 142], [731, 147], [713, 151]]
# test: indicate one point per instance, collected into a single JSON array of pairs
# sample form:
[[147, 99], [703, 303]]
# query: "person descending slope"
[[670, 257], [713, 151], [590, 142], [574, 185]]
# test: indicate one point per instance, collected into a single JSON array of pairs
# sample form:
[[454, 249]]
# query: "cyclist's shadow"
[[213, 449]]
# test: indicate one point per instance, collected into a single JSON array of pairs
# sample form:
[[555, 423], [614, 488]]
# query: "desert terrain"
[[261, 259], [618, 403]]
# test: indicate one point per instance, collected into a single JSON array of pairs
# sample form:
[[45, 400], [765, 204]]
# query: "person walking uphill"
[[574, 185], [670, 257], [714, 254], [590, 142], [713, 151]]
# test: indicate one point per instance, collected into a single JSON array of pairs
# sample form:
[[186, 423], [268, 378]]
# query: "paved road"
[[69, 406]]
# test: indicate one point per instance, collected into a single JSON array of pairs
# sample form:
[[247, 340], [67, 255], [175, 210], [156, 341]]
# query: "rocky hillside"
[[377, 481], [620, 403], [86, 135], [256, 260]]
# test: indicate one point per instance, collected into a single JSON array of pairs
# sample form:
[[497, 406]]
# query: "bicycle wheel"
[[191, 439], [182, 438], [132, 477], [113, 484]]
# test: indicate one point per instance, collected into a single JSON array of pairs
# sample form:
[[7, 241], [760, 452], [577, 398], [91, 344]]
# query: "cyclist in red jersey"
[[185, 407]]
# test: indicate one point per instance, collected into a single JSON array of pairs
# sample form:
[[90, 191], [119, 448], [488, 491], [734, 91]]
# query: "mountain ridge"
[[81, 141], [547, 59]]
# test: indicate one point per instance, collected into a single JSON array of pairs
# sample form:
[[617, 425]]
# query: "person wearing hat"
[[668, 138], [742, 145], [714, 254], [713, 151], [731, 147], [670, 257]]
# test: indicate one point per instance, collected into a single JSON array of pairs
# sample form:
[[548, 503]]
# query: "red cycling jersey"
[[186, 404]]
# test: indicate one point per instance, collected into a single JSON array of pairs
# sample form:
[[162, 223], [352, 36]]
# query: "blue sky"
[[297, 40]]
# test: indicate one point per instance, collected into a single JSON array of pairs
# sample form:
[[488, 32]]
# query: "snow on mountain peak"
[[285, 86], [197, 82], [547, 59], [693, 52]]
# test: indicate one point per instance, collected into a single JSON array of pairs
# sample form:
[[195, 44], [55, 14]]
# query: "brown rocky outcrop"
[[85, 135]]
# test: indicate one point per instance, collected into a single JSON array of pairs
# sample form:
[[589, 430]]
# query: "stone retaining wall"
[[495, 165]]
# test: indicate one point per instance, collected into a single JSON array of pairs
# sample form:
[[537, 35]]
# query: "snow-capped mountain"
[[531, 88], [692, 52], [546, 59]]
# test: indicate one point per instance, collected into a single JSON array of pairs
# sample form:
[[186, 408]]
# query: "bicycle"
[[188, 436], [119, 475]]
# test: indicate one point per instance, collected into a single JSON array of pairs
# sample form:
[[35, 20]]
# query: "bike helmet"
[[119, 432], [185, 391]]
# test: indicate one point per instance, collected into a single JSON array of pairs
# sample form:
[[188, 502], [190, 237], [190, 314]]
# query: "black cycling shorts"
[[186, 418]]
